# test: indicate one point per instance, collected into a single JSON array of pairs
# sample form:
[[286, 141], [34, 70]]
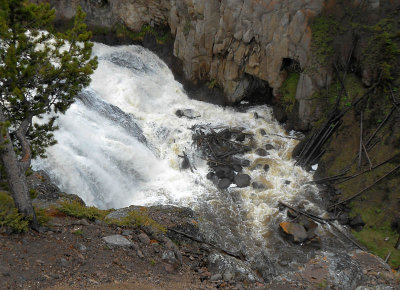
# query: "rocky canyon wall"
[[227, 42]]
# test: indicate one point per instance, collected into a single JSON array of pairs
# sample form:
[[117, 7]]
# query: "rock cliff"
[[234, 44]]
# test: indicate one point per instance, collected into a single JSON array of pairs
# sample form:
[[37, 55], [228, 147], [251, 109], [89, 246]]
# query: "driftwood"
[[365, 189], [186, 161], [285, 137], [217, 146], [226, 252]]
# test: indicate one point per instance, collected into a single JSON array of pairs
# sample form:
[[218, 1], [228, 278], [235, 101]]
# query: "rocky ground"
[[163, 251]]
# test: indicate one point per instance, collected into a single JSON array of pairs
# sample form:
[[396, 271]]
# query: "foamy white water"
[[118, 145]]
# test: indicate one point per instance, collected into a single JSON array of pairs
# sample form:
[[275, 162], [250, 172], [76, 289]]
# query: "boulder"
[[210, 175], [261, 152], [269, 147], [224, 172], [357, 223], [237, 168], [295, 230], [117, 240], [266, 167], [224, 183], [188, 113], [242, 180]]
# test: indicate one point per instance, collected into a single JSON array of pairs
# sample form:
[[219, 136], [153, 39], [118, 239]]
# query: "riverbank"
[[157, 247]]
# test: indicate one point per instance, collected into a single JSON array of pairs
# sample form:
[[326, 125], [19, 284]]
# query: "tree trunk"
[[15, 176]]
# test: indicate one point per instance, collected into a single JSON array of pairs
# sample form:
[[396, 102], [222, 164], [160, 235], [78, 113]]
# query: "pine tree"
[[41, 72]]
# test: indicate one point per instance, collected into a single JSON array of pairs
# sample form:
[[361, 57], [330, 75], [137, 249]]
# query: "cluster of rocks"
[[221, 149]]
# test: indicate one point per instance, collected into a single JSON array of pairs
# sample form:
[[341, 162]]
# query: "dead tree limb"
[[311, 216], [347, 237], [365, 189], [237, 256], [367, 170], [380, 126], [366, 154], [322, 221], [361, 141]]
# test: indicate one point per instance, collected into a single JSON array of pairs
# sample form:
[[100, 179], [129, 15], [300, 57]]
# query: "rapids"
[[118, 145]]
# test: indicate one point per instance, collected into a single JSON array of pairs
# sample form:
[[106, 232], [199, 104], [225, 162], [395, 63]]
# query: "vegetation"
[[132, 219], [41, 73], [382, 50], [11, 219], [79, 210], [137, 219], [324, 29], [9, 215], [288, 91], [161, 35], [354, 43]]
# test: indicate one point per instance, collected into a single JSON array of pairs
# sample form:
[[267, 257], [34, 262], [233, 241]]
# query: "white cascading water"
[[105, 158]]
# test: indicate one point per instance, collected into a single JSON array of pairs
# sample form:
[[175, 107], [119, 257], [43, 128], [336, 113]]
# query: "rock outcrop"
[[231, 42]]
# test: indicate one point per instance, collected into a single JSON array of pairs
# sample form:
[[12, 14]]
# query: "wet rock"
[[188, 113], [262, 132], [224, 183], [258, 185], [269, 147], [144, 239], [240, 137], [344, 218], [226, 134], [224, 172], [357, 222], [287, 182], [237, 168], [184, 164], [292, 214], [210, 175], [266, 167], [295, 230], [242, 180], [117, 240], [241, 162], [261, 152]]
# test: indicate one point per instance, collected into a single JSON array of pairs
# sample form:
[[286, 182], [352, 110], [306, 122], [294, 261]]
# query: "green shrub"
[[137, 219], [288, 91], [9, 215], [324, 30], [79, 210]]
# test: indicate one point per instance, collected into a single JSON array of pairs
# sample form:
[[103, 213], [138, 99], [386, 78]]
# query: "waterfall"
[[119, 143]]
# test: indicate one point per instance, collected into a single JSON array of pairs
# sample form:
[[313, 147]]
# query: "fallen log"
[[365, 189]]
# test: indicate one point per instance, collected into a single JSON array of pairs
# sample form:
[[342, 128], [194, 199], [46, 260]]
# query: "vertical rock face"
[[226, 41]]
